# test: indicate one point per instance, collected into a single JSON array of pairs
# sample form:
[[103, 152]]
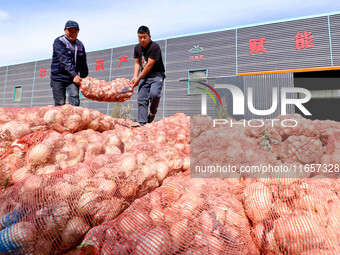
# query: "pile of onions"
[[293, 215], [183, 215]]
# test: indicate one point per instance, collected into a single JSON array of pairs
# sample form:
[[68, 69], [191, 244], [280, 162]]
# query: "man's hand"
[[135, 81], [77, 80]]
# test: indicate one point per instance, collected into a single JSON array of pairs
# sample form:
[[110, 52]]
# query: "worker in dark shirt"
[[69, 65], [148, 74]]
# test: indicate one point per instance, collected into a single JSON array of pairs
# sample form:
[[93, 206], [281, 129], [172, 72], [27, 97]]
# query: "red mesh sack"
[[295, 124], [301, 149], [118, 90], [293, 215], [61, 207], [184, 216]]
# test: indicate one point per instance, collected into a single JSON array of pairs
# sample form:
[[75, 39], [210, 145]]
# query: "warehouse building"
[[304, 53]]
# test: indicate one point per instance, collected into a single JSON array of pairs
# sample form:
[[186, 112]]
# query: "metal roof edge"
[[205, 32], [254, 24]]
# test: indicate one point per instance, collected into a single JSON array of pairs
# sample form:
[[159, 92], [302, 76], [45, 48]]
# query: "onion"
[[84, 171], [180, 233], [49, 116], [260, 235], [145, 173], [53, 218], [188, 203], [200, 240], [104, 126], [134, 223], [216, 245], [128, 163], [74, 232], [157, 214], [73, 123], [155, 199], [15, 130], [313, 204], [220, 213], [257, 201], [21, 174], [155, 241], [162, 170], [108, 210], [47, 169], [186, 163], [33, 182], [298, 233], [92, 151], [107, 187], [281, 208], [94, 124], [59, 118], [95, 114], [40, 154], [207, 223], [86, 116], [63, 190], [127, 190], [87, 203], [237, 219], [112, 150], [141, 158], [114, 140], [74, 155]]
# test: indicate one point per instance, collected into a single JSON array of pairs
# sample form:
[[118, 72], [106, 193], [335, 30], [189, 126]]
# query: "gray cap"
[[71, 23]]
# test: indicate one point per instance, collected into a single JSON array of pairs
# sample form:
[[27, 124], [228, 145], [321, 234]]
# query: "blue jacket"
[[64, 63]]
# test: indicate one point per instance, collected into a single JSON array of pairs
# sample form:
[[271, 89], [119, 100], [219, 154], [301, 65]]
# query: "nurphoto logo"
[[239, 99]]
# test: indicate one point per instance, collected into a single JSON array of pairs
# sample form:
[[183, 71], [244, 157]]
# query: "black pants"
[[59, 89]]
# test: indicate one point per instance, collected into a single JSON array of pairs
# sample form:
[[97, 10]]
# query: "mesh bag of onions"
[[118, 90], [183, 216], [294, 215], [65, 170], [53, 212]]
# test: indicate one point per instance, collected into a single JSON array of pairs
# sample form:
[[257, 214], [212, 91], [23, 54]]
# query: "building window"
[[17, 94], [194, 78]]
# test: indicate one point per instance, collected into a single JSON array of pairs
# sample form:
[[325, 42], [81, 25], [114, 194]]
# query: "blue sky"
[[28, 28]]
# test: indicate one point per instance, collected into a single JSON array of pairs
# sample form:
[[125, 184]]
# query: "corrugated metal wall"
[[334, 25], [19, 75], [262, 95], [42, 92], [3, 81], [281, 52], [217, 55], [223, 53]]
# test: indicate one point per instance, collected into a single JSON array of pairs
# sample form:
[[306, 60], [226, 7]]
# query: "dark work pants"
[[149, 91], [59, 89]]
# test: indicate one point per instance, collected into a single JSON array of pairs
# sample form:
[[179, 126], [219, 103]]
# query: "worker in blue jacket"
[[69, 65]]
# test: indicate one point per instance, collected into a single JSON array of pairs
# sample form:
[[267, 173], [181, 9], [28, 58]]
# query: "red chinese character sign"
[[99, 64], [304, 40], [42, 72], [257, 45], [122, 59]]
